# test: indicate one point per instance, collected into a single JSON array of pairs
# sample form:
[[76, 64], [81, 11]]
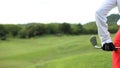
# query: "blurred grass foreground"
[[65, 51]]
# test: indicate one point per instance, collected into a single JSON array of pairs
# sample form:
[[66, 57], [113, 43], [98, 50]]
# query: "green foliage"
[[90, 28], [52, 28], [23, 33], [77, 29], [32, 30], [113, 27], [113, 18], [80, 28], [38, 29], [3, 32], [12, 29], [35, 29], [65, 28]]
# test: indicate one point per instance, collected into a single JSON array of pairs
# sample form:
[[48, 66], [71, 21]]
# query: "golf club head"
[[98, 47], [93, 40]]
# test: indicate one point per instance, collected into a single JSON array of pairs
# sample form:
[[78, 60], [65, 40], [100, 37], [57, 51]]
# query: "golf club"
[[93, 41]]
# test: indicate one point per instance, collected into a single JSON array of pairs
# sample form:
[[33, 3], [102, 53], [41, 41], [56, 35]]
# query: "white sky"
[[47, 11]]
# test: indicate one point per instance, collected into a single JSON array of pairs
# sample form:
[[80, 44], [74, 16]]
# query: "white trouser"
[[101, 19]]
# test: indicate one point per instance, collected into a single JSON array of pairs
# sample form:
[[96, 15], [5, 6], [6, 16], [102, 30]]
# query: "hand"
[[108, 47]]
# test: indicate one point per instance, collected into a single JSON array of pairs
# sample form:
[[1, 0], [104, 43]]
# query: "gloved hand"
[[108, 47]]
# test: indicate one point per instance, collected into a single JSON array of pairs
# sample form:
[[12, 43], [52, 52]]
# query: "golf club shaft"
[[98, 47]]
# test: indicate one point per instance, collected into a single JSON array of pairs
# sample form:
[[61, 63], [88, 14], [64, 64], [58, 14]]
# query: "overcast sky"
[[46, 11]]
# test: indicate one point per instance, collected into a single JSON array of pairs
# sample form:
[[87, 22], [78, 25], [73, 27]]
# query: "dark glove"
[[108, 47]]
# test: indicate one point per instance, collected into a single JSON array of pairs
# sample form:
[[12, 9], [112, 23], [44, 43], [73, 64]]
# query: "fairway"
[[52, 52]]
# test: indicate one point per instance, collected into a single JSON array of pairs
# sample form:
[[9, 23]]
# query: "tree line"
[[38, 29], [58, 29]]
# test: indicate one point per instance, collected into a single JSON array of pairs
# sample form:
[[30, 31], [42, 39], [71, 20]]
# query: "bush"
[[113, 27], [32, 30], [35, 29], [90, 28], [23, 33], [3, 33], [52, 28], [77, 29], [12, 29], [65, 28]]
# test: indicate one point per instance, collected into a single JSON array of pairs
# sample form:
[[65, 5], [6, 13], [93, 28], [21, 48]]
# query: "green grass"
[[52, 52]]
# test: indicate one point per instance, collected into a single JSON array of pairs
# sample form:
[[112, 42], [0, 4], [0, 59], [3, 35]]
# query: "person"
[[104, 35], [116, 53]]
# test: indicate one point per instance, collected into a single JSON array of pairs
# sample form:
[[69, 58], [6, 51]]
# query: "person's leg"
[[118, 5], [116, 54], [117, 38], [101, 19]]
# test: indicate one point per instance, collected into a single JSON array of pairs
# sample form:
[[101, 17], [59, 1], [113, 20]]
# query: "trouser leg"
[[101, 19]]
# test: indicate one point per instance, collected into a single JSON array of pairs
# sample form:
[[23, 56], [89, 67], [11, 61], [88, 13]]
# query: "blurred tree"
[[3, 33], [52, 28], [12, 29], [65, 28]]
